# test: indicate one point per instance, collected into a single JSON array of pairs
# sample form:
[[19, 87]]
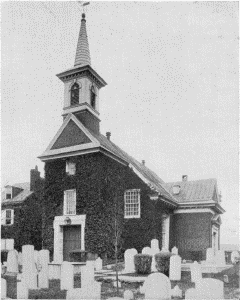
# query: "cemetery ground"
[[231, 289]]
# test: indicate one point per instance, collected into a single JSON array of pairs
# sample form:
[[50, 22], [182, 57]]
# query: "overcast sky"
[[172, 93]]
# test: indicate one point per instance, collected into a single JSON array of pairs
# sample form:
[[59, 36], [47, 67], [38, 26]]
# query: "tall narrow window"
[[165, 232], [132, 203], [7, 217], [75, 94], [93, 98], [70, 168], [70, 202]]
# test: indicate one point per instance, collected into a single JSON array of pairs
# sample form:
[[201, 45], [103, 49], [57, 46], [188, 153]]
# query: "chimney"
[[108, 134], [176, 189], [143, 162], [184, 178], [34, 178]]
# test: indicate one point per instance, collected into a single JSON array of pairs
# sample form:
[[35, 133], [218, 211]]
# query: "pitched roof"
[[22, 196], [82, 53], [194, 191]]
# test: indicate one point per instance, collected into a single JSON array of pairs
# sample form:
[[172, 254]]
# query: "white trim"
[[65, 202], [81, 106], [139, 204], [197, 202], [165, 243], [58, 223], [194, 210]]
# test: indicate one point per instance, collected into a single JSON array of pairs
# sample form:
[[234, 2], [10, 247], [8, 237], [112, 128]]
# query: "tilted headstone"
[[196, 273], [28, 267], [209, 288], [176, 292], [147, 250], [210, 255], [66, 276], [129, 260], [155, 245], [3, 288], [98, 264], [174, 250], [90, 292], [3, 244], [12, 261], [175, 267], [157, 286], [43, 258], [191, 294], [220, 258], [128, 295], [22, 290], [9, 244]]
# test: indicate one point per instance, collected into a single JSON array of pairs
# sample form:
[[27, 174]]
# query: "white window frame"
[[65, 212], [7, 190], [4, 217], [132, 216], [70, 168], [165, 232]]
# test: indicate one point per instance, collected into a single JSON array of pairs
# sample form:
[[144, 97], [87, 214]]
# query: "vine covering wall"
[[100, 183]]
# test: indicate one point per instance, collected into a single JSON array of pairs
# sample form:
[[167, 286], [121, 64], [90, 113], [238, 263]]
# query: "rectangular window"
[[132, 204], [70, 168], [70, 202], [165, 233], [8, 191], [7, 217]]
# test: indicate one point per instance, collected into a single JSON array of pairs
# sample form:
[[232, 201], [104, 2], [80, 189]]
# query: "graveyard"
[[152, 274]]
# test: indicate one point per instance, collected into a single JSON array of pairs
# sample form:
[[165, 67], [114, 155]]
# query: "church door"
[[71, 240]]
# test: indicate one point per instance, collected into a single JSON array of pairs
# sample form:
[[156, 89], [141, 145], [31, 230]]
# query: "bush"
[[162, 262], [143, 263]]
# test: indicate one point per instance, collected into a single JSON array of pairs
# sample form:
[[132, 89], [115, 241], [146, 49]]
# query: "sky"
[[172, 93]]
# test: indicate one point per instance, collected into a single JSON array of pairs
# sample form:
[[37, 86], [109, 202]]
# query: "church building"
[[94, 189]]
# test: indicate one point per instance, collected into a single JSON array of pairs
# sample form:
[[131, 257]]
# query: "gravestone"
[[12, 261], [155, 245], [210, 255], [191, 294], [157, 286], [174, 250], [147, 250], [129, 260], [235, 256], [9, 244], [28, 267], [209, 288], [66, 276], [98, 264], [153, 266], [43, 258], [3, 288], [91, 292], [175, 267], [176, 292], [115, 284], [22, 290], [87, 274], [128, 295], [220, 258], [196, 273]]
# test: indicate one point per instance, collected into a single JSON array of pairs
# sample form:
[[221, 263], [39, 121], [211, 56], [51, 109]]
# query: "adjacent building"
[[94, 189]]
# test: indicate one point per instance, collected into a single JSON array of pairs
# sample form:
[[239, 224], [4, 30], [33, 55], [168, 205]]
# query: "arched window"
[[93, 97], [75, 94]]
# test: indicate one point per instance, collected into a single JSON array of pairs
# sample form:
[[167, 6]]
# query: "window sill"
[[131, 217]]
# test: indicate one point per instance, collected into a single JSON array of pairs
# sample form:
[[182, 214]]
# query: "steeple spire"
[[82, 54]]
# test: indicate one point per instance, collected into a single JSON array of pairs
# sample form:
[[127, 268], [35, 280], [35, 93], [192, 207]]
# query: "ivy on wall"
[[100, 183]]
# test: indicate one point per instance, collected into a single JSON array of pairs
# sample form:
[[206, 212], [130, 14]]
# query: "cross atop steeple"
[[82, 54]]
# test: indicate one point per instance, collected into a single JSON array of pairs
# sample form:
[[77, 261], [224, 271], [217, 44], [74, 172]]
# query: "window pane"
[[132, 203]]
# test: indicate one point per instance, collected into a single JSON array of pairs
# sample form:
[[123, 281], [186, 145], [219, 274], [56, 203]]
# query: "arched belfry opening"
[[74, 94]]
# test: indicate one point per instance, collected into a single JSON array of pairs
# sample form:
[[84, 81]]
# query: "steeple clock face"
[[75, 94]]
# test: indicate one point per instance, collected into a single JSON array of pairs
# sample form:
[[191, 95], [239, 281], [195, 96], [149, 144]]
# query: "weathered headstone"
[[22, 290], [210, 255], [3, 288], [128, 295], [43, 258], [157, 286], [155, 245], [196, 273], [28, 267], [129, 260], [9, 244], [191, 294], [98, 264], [174, 250], [66, 276], [147, 250], [12, 261], [176, 292], [220, 258], [209, 288], [175, 267]]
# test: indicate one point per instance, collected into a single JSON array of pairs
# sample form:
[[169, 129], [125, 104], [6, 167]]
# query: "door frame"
[[58, 223]]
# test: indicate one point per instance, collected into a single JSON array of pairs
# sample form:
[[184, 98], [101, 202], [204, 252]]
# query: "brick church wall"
[[100, 183]]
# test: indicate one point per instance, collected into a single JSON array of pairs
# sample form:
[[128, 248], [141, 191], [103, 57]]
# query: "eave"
[[202, 204]]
